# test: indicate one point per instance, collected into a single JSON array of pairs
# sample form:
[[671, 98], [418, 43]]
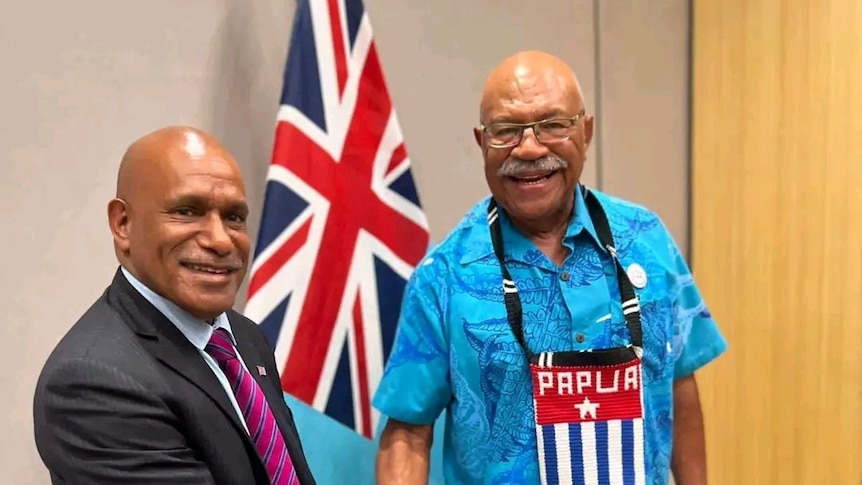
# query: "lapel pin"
[[261, 370]]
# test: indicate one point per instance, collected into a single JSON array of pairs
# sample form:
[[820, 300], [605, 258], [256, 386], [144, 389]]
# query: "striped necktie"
[[262, 427]]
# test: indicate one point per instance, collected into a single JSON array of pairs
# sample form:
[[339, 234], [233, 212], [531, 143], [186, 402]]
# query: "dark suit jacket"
[[125, 399]]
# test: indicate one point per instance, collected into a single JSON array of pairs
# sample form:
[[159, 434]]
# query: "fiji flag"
[[589, 423], [341, 232]]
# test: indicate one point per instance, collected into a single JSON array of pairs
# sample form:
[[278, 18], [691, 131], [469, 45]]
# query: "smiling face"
[[534, 181], [179, 222]]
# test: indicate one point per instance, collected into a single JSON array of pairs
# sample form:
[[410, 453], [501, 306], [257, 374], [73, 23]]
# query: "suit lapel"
[[163, 340]]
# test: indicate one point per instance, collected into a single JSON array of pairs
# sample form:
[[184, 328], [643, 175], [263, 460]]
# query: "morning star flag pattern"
[[589, 424], [342, 227]]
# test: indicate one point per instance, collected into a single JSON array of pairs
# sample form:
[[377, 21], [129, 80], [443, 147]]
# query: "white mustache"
[[513, 167]]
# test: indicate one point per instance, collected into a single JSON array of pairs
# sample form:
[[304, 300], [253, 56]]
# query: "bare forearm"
[[688, 460], [404, 455]]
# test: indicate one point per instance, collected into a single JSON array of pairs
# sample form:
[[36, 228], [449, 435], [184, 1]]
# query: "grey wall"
[[83, 79], [644, 110]]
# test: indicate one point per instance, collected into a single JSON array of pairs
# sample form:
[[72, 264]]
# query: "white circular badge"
[[637, 275]]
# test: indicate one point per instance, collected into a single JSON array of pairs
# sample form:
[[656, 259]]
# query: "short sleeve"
[[697, 339], [415, 387]]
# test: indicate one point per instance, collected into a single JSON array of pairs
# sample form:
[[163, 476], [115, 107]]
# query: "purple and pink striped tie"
[[261, 424]]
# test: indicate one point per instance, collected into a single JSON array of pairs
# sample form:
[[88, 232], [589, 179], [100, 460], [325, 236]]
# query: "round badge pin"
[[637, 275]]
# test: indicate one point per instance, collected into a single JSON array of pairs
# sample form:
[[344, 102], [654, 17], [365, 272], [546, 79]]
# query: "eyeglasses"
[[506, 135]]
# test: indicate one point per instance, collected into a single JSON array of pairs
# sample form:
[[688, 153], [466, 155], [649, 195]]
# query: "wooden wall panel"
[[777, 239]]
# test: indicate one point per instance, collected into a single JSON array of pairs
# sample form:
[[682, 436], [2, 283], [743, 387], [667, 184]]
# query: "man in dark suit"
[[160, 382]]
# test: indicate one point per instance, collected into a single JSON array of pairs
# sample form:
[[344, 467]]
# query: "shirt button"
[[565, 276], [580, 338]]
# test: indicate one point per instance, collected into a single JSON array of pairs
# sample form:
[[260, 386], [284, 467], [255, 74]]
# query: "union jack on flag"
[[342, 227]]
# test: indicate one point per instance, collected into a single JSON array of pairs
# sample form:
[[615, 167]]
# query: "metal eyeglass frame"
[[524, 126]]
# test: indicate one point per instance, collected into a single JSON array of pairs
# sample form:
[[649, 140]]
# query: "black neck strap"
[[631, 308]]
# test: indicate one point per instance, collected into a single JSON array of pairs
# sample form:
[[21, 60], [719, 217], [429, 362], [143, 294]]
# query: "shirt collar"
[[582, 221], [197, 331], [516, 246]]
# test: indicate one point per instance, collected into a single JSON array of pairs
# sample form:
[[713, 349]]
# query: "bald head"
[[156, 152], [526, 75], [179, 219]]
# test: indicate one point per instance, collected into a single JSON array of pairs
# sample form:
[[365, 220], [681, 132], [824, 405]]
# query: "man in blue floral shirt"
[[455, 350]]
